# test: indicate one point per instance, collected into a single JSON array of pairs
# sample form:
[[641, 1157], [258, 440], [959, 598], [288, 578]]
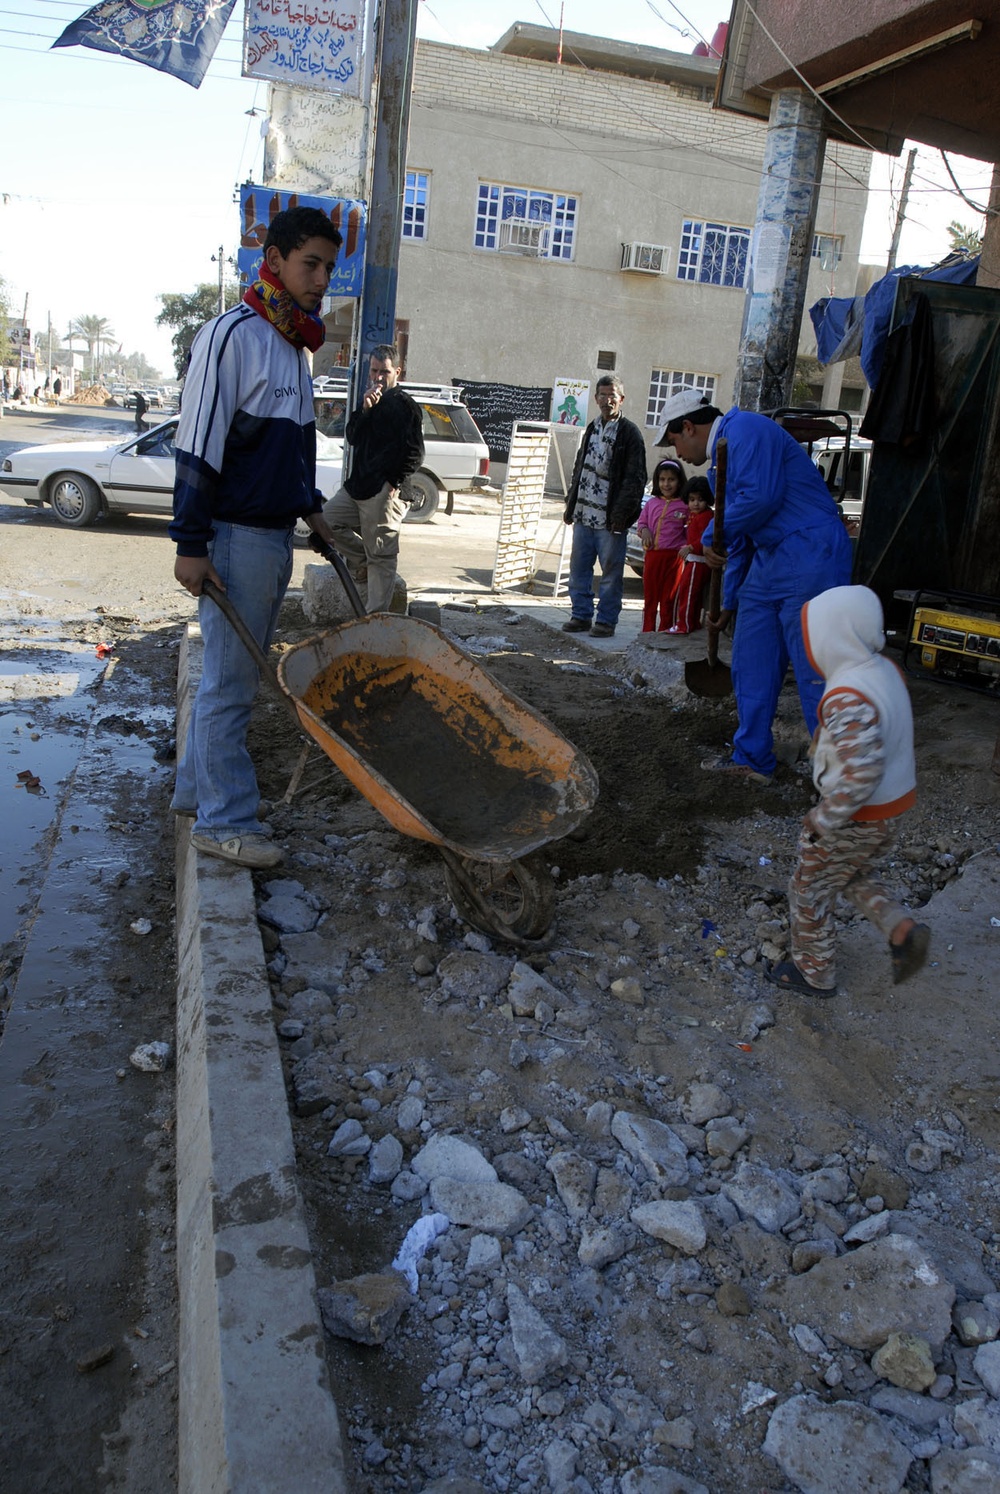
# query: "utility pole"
[[50, 349], [901, 212], [24, 333], [396, 47], [222, 269], [781, 250]]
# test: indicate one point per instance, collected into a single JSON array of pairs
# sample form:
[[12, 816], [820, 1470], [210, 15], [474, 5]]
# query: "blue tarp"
[[837, 319]]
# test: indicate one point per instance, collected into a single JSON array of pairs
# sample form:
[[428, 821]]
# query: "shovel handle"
[[249, 642], [718, 544]]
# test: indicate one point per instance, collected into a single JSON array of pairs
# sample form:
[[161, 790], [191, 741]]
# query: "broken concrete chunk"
[[365, 1309]]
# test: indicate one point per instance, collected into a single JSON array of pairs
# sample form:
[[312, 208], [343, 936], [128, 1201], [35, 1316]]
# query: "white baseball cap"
[[683, 402]]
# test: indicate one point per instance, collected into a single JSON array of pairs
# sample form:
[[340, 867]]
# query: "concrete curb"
[[256, 1410]]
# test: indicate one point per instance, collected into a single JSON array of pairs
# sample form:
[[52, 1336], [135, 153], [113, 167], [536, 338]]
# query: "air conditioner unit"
[[521, 236], [649, 259]]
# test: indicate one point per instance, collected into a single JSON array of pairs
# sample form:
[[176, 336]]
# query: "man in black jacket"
[[605, 497], [386, 435]]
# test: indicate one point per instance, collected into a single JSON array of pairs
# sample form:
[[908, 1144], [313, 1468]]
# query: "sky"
[[117, 182]]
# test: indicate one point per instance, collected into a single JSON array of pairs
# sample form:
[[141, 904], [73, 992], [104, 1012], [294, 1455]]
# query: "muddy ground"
[[674, 886]]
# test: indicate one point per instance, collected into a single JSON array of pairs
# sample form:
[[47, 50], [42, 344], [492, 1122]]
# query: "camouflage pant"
[[838, 865]]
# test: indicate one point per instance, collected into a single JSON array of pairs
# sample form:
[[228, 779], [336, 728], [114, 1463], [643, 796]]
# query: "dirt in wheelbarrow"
[[635, 1306]]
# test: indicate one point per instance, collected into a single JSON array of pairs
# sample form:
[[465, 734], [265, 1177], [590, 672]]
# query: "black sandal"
[[911, 955], [789, 977]]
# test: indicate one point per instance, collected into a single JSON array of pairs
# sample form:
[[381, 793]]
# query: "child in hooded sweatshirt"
[[662, 526], [864, 769]]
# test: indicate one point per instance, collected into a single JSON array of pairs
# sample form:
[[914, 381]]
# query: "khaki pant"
[[838, 865], [367, 531]]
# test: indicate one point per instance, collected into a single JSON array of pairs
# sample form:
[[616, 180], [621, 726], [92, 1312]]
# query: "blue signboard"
[[258, 205]]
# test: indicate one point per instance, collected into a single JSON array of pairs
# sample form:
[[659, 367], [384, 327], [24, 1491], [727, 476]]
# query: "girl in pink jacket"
[[662, 526]]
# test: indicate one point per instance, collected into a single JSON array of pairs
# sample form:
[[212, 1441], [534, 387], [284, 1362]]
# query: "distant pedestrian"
[[141, 406], [864, 769], [385, 433], [605, 496], [57, 386]]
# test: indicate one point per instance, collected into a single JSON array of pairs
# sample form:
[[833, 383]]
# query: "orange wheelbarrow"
[[444, 753]]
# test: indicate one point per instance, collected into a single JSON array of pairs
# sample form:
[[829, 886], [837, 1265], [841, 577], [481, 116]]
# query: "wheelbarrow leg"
[[510, 900], [296, 778]]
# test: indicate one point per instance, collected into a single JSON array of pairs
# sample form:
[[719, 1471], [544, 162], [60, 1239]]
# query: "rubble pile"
[[91, 394], [617, 1215]]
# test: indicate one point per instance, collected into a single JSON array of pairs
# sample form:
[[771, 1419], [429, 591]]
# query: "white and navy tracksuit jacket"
[[246, 439]]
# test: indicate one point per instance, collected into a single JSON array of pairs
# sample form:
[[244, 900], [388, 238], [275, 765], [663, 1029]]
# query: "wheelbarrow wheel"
[[514, 900]]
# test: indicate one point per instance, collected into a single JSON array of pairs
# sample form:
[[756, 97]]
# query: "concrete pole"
[[901, 214], [989, 264], [780, 250], [396, 47]]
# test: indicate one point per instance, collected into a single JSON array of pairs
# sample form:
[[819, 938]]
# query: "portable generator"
[[954, 636]]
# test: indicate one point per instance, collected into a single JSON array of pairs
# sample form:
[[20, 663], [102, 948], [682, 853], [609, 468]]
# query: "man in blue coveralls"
[[785, 543]]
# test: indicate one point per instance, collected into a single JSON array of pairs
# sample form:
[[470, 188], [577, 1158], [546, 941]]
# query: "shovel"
[[707, 677]]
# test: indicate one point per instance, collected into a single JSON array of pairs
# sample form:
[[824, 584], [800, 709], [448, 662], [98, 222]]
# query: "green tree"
[[138, 370], [965, 237], [188, 312], [95, 331]]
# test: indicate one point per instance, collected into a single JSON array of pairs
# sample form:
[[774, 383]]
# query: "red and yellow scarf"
[[269, 298]]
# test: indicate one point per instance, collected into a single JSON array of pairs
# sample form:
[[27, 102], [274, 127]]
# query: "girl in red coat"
[[692, 567], [662, 526]]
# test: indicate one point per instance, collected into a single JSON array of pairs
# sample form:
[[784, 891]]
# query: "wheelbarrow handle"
[[340, 566], [249, 642]]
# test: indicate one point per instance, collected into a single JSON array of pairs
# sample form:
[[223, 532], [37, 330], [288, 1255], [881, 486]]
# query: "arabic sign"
[[311, 43], [569, 401], [258, 205]]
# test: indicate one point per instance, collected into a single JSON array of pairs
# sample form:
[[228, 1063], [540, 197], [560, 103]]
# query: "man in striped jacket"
[[246, 472]]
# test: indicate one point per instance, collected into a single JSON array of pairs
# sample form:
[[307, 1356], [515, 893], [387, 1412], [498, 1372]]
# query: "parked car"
[[456, 458], [848, 483], [83, 481]]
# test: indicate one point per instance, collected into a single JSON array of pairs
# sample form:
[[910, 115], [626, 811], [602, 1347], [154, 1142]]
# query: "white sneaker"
[[254, 851]]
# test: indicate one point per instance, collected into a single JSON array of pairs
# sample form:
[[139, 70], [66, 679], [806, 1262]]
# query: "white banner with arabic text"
[[306, 43]]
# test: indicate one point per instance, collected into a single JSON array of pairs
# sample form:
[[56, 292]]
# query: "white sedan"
[[84, 481]]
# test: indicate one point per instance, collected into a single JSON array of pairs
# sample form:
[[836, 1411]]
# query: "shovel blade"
[[711, 680]]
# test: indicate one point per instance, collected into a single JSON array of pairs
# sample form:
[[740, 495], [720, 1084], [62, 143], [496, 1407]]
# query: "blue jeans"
[[590, 546], [215, 775]]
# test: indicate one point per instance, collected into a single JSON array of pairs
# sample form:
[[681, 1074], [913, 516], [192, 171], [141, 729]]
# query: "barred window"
[[713, 253], [525, 221], [416, 196], [665, 382]]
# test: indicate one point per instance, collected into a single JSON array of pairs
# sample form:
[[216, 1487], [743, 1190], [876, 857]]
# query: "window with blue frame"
[[525, 220], [416, 196], [713, 253]]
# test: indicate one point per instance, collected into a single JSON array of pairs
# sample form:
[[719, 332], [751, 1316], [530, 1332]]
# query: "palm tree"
[[93, 330], [965, 237]]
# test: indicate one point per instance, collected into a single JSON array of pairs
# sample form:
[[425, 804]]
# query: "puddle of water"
[[45, 709], [50, 752]]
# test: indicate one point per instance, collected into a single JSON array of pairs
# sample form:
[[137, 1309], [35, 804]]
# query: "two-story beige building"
[[561, 219]]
